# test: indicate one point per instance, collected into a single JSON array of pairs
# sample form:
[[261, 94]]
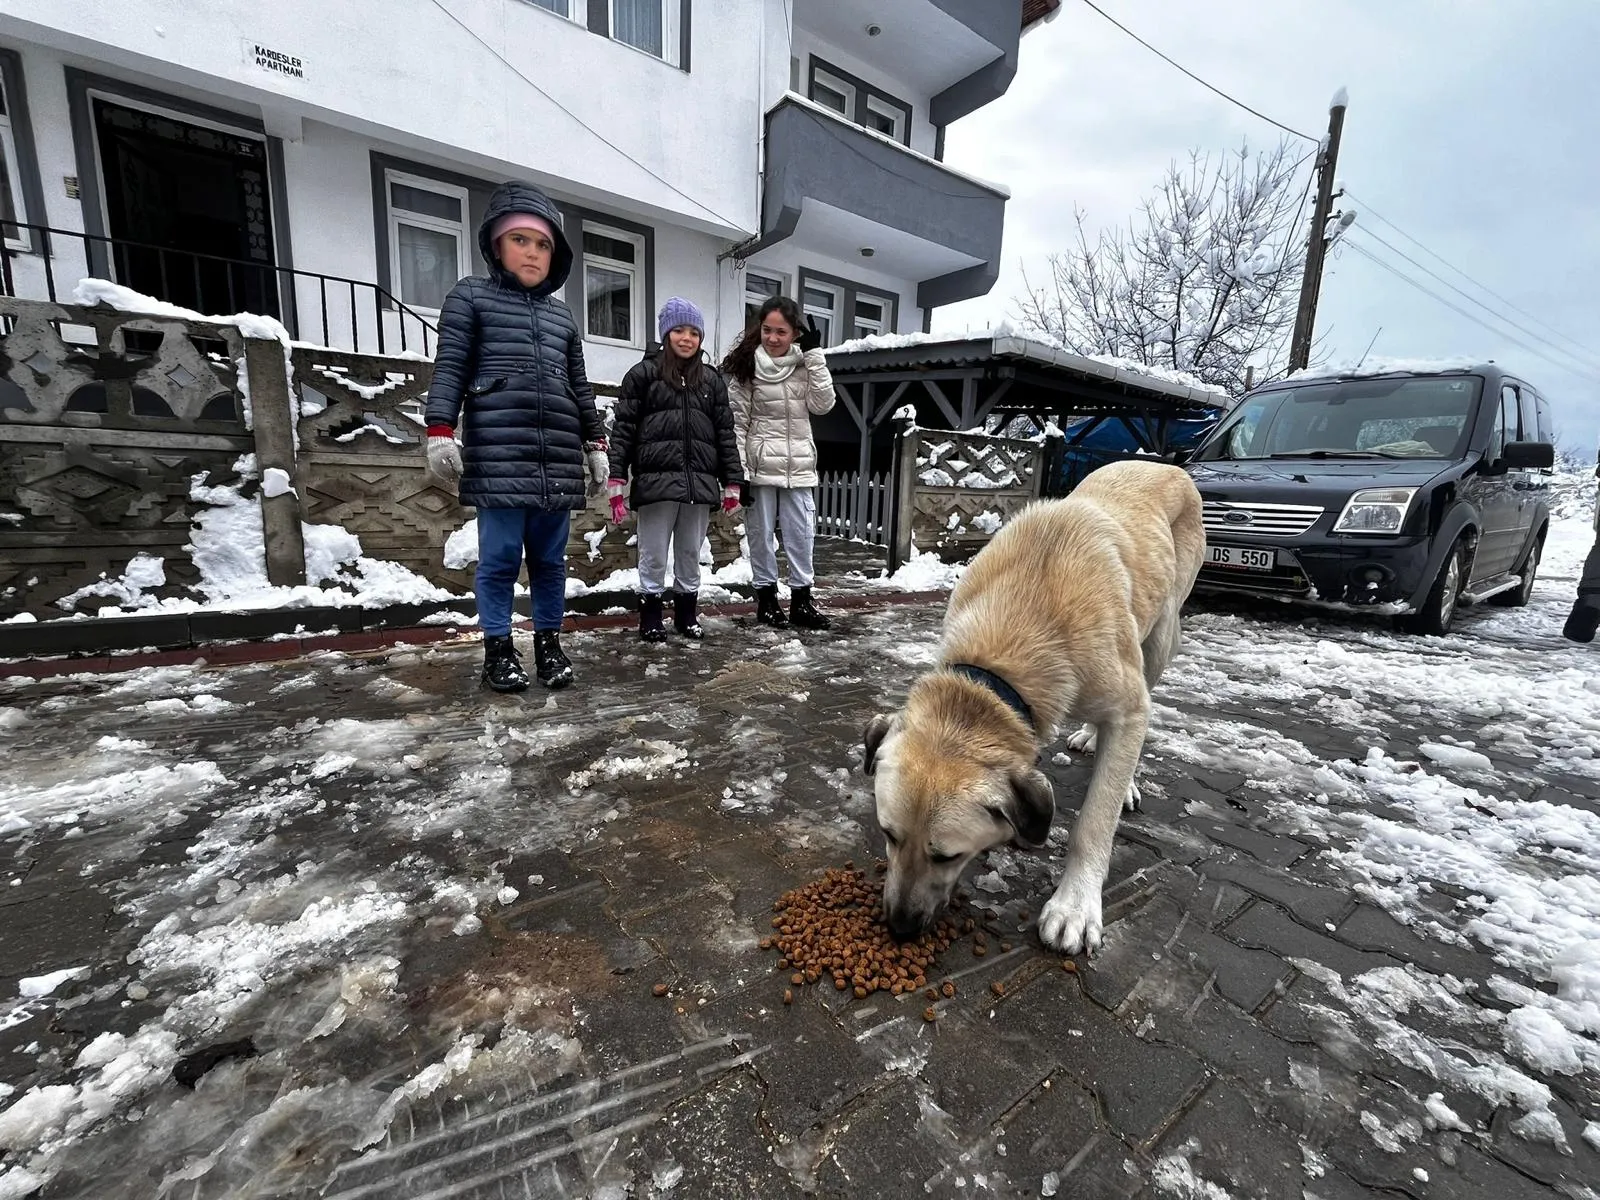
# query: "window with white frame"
[[654, 26], [10, 193], [885, 118], [873, 315], [828, 90], [429, 245], [759, 287], [613, 285], [821, 302]]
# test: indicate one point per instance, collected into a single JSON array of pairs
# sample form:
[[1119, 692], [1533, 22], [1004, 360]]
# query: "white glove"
[[444, 459], [599, 468]]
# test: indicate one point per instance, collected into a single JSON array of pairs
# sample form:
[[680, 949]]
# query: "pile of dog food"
[[832, 928]]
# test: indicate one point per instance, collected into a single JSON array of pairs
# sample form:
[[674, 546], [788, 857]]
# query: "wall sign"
[[276, 62]]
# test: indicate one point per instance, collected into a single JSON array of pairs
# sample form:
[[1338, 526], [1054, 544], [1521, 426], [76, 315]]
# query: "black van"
[[1406, 492]]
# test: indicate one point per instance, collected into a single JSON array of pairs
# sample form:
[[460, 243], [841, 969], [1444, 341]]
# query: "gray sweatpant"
[[684, 526], [794, 510]]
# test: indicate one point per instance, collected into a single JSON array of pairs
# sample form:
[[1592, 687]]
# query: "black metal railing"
[[330, 310]]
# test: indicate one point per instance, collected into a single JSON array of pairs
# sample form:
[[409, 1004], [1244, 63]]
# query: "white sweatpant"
[[684, 526], [795, 511]]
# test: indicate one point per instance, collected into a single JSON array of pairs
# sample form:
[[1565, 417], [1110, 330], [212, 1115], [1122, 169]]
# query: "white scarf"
[[776, 370]]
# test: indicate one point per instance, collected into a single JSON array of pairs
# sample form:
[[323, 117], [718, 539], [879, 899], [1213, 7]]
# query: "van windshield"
[[1408, 417]]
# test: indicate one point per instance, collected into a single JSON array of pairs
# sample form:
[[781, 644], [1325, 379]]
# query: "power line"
[[1473, 317], [1538, 337], [1367, 208], [512, 67], [1212, 87]]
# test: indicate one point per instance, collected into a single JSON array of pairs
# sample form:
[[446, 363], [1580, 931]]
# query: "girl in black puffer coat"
[[673, 429], [510, 368]]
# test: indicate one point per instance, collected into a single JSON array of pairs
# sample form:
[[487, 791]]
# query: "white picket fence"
[[850, 507]]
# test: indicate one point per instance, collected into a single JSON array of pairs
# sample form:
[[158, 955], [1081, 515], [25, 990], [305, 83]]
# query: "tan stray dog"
[[1071, 612]]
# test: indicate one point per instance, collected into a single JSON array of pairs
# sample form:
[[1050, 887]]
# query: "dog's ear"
[[877, 729], [1030, 807]]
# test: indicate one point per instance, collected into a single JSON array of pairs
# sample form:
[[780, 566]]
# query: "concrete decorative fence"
[[98, 448], [954, 490]]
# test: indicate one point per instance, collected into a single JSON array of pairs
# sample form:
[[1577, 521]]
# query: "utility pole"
[[1317, 246]]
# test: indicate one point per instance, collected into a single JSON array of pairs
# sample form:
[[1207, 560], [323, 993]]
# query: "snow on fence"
[[122, 432], [953, 490]]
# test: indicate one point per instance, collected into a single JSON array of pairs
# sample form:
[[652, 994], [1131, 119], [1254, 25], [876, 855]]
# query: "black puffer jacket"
[[679, 444], [510, 368]]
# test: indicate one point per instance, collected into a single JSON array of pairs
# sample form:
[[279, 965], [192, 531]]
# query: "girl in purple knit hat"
[[673, 430]]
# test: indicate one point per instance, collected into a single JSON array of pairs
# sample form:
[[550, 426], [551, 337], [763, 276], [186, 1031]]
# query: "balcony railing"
[[329, 310]]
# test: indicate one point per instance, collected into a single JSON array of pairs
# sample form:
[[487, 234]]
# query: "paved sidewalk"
[[310, 856]]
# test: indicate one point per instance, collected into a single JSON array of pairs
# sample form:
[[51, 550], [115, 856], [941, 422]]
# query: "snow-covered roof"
[[1006, 341]]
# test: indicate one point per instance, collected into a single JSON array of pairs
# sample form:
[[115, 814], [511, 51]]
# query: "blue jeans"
[[504, 536]]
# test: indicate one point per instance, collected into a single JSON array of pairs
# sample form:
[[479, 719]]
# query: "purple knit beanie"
[[678, 311]]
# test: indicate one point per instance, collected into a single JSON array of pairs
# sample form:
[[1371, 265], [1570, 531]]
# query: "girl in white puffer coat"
[[777, 381]]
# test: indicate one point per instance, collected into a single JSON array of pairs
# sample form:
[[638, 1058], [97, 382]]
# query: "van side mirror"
[[1529, 456]]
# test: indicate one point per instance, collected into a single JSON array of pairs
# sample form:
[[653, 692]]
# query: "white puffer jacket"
[[772, 415]]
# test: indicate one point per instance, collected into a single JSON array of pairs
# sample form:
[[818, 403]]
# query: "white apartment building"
[[327, 161]]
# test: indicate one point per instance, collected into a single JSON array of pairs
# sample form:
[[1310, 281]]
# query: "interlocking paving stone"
[[1270, 928], [1141, 1084], [1369, 928], [1226, 1137], [1313, 905], [1244, 976]]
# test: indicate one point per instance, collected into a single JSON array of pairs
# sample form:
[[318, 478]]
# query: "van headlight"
[[1375, 510]]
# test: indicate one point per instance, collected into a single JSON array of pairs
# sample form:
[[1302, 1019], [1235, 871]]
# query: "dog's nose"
[[904, 927]]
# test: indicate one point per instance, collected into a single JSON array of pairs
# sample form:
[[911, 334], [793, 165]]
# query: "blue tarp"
[[1094, 441]]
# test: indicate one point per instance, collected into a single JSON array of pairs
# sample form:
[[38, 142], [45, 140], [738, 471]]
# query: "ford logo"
[[1237, 516]]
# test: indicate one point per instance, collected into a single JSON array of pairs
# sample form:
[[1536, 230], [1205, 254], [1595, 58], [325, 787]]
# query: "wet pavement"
[[421, 928]]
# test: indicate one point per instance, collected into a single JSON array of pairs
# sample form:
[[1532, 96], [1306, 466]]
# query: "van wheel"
[[1439, 609], [1519, 596]]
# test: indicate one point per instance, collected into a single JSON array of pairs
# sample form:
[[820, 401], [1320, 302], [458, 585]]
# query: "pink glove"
[[619, 503], [730, 498]]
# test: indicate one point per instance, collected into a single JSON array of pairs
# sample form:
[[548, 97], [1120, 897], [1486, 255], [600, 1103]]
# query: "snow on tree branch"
[[1204, 279]]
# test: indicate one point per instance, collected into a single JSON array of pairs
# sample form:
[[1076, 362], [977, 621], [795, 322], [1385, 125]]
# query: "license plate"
[[1241, 558]]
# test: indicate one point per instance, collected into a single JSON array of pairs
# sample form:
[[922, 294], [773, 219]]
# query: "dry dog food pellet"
[[998, 988], [660, 989], [1068, 965], [928, 1014], [979, 949], [788, 995], [948, 989], [833, 928], [1005, 947]]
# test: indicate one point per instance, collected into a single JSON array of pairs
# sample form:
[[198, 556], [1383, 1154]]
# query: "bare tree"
[[1204, 280]]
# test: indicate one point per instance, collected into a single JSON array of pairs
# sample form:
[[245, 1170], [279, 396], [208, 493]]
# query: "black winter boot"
[[683, 618], [768, 610], [802, 613], [502, 666], [552, 666], [650, 627], [1584, 620]]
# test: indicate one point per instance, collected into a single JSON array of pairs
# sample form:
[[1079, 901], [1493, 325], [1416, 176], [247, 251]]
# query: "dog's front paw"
[[1070, 922], [1134, 800], [1083, 741]]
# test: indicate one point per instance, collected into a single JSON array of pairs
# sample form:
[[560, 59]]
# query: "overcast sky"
[[1471, 125]]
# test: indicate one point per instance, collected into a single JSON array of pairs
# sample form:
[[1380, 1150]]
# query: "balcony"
[[839, 189], [961, 53]]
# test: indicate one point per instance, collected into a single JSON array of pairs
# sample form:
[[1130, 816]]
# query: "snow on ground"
[[307, 935]]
